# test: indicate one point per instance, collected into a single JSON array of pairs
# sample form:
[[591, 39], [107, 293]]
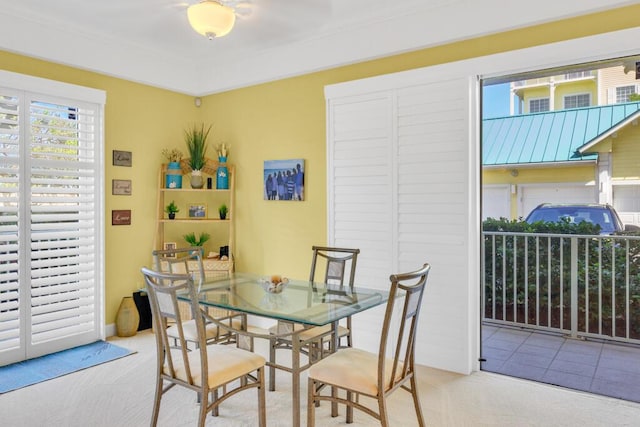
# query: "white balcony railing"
[[582, 286]]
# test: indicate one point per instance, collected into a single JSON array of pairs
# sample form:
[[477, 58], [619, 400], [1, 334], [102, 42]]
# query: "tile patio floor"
[[600, 368]]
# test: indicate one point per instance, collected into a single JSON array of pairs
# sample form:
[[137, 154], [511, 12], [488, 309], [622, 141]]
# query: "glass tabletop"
[[301, 301]]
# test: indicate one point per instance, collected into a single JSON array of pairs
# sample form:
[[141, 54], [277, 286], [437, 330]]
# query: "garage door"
[[531, 196], [496, 201], [626, 201]]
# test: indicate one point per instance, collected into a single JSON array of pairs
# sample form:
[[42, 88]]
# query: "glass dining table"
[[302, 302]]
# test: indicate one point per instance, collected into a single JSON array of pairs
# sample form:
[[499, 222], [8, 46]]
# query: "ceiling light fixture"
[[211, 19]]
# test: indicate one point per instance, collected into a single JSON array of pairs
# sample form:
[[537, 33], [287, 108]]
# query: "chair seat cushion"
[[225, 363], [353, 369], [191, 334]]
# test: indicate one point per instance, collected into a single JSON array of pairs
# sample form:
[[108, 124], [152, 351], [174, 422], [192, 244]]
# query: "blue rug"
[[33, 371]]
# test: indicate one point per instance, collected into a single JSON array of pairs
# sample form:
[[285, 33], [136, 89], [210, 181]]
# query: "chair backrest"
[[336, 262], [163, 290], [406, 290], [181, 261]]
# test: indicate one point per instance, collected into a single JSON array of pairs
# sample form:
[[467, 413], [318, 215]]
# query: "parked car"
[[603, 215]]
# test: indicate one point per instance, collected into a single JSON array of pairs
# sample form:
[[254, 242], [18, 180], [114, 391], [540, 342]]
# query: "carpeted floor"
[[54, 365]]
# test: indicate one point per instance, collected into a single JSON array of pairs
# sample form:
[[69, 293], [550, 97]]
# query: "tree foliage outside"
[[527, 278]]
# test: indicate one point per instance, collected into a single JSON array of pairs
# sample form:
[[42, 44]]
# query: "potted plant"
[[222, 210], [171, 209], [192, 240], [173, 178], [196, 140]]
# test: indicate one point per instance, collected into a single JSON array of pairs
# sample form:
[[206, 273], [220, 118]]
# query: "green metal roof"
[[553, 136]]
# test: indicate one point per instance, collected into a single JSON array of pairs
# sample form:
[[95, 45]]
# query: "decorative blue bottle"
[[173, 176], [222, 174]]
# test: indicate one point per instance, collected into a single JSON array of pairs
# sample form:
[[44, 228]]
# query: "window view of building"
[[569, 137]]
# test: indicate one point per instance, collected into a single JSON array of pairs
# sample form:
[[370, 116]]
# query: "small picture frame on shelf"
[[170, 246], [197, 211]]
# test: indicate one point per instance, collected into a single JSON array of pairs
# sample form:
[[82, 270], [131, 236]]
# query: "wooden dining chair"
[[216, 372], [335, 263], [189, 261], [361, 373]]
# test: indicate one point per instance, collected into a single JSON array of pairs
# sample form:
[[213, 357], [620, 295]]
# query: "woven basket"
[[210, 166]]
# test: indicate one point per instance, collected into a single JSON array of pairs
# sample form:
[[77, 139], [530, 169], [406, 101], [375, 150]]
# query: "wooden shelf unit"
[[212, 266]]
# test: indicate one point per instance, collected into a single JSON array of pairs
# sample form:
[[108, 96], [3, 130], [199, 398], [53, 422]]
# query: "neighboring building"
[[575, 89], [580, 155], [578, 141]]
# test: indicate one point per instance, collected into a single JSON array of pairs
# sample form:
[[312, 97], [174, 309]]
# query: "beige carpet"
[[120, 393]]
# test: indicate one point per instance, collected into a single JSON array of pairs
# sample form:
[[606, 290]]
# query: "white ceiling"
[[150, 41]]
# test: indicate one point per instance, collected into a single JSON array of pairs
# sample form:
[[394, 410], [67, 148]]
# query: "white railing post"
[[574, 287]]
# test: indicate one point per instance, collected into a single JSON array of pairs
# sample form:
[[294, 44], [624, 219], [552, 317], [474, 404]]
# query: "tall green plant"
[[196, 140]]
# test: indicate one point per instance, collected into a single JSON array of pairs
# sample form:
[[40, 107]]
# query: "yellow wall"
[[561, 90], [283, 119], [574, 88], [535, 93], [626, 156]]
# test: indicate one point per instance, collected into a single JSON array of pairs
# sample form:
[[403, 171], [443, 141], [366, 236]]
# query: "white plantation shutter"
[[9, 203], [361, 203], [62, 210], [360, 199], [51, 189], [398, 166]]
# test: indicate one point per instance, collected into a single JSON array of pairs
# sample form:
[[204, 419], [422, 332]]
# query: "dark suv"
[[603, 215]]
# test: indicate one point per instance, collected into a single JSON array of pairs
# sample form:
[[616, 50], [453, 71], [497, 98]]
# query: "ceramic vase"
[[128, 318], [173, 178], [196, 179], [222, 174]]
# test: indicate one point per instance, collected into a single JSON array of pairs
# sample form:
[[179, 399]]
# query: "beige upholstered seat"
[[214, 371], [356, 370], [313, 340], [362, 373], [189, 261]]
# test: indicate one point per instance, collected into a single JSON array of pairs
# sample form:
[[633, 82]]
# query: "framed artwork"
[[121, 187], [198, 211], [121, 217], [122, 158], [170, 246], [283, 180]]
